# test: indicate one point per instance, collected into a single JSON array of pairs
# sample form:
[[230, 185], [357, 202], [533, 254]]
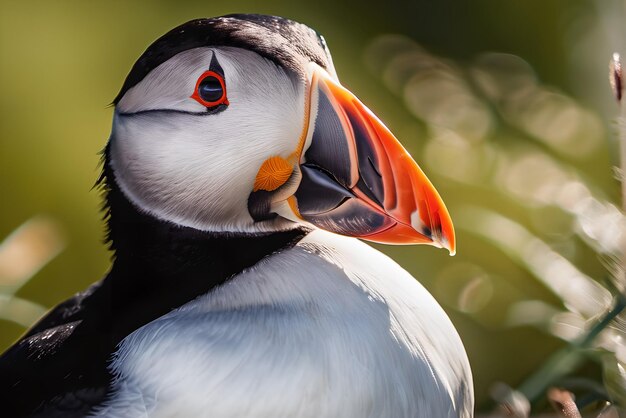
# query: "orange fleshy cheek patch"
[[274, 172]]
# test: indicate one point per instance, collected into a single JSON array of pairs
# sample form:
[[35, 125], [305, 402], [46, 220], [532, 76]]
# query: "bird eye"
[[210, 90]]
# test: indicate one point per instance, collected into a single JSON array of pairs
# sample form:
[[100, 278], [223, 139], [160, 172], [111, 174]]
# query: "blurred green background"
[[505, 105]]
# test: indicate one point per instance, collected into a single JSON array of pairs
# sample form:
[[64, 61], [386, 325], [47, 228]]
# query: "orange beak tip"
[[444, 243], [448, 242]]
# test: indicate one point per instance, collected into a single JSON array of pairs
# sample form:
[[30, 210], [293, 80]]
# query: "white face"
[[180, 163]]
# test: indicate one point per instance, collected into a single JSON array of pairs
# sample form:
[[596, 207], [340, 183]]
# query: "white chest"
[[330, 328]]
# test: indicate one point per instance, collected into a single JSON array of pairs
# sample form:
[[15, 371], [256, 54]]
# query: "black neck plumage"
[[62, 363], [159, 266]]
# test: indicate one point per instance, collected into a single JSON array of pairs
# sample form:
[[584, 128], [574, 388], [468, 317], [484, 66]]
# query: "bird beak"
[[358, 180]]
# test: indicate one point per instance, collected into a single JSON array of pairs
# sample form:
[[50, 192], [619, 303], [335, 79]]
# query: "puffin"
[[239, 179]]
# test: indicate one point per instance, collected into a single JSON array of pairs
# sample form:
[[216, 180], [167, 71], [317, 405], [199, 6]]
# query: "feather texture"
[[329, 328]]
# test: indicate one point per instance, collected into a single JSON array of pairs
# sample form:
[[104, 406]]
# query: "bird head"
[[240, 124]]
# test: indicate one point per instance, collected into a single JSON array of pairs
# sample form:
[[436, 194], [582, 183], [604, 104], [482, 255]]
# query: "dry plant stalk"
[[563, 402]]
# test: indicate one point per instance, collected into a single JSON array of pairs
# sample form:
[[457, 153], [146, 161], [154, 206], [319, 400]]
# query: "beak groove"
[[358, 180]]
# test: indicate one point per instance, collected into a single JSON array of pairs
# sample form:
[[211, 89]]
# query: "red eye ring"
[[207, 79]]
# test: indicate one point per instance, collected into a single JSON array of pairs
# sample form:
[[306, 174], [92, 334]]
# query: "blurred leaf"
[[27, 250], [615, 378], [20, 311], [579, 292], [22, 254]]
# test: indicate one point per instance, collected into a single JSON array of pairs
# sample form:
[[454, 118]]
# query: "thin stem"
[[622, 172], [620, 304], [568, 358]]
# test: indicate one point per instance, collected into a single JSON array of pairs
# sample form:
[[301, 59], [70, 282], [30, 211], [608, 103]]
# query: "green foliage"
[[504, 104]]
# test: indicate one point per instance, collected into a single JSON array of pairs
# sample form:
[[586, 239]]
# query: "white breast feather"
[[330, 328]]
